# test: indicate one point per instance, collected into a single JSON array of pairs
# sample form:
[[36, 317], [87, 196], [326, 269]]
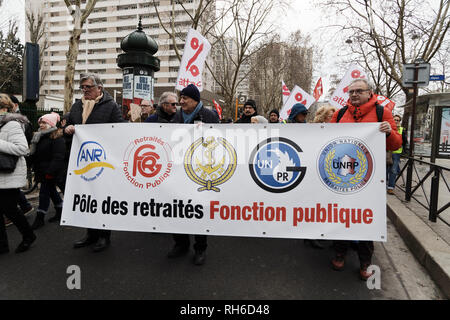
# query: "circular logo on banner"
[[147, 162], [275, 165], [91, 161], [345, 165], [210, 162]]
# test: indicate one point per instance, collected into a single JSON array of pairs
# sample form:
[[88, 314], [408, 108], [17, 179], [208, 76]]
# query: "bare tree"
[[290, 61], [37, 30], [233, 30], [387, 34], [79, 18]]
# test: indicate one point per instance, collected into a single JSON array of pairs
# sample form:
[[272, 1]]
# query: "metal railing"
[[426, 179]]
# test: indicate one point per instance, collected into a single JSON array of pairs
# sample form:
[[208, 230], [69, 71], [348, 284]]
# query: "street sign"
[[241, 99], [439, 77], [423, 76]]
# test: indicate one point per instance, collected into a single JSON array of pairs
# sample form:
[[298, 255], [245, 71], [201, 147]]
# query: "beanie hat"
[[251, 103], [191, 91], [296, 109], [52, 119], [274, 111]]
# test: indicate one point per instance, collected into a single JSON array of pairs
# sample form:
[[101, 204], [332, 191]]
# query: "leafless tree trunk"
[[79, 17]]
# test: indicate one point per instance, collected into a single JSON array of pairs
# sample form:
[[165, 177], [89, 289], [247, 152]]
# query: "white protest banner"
[[340, 95], [298, 95], [196, 49], [317, 181], [285, 92]]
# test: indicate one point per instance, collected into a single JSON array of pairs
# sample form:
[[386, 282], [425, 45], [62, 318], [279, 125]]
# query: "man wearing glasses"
[[166, 109], [96, 106], [362, 107], [146, 109]]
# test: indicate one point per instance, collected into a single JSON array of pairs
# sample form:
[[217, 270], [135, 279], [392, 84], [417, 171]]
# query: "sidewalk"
[[428, 241]]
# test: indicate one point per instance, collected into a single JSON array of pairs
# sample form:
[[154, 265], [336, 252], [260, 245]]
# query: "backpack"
[[379, 110]]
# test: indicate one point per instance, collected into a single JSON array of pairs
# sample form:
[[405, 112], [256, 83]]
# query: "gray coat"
[[13, 141]]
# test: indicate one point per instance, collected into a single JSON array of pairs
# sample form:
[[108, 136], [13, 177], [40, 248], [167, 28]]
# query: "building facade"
[[99, 46]]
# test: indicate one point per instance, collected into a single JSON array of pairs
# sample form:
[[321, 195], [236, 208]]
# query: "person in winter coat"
[[249, 111], [47, 150], [361, 107], [166, 109], [191, 111], [13, 142], [394, 169], [298, 114], [96, 106]]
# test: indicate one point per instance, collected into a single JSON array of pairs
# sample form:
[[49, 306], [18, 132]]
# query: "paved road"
[[136, 267]]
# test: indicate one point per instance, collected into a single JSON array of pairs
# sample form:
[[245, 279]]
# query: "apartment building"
[[99, 47]]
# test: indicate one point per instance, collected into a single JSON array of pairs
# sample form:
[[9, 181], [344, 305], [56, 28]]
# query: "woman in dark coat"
[[48, 151]]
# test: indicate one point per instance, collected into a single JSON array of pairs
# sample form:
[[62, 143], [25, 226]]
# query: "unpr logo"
[[345, 165], [147, 162], [91, 161], [275, 165]]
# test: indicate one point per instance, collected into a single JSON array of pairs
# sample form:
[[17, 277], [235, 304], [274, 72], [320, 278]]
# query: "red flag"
[[318, 90], [218, 109]]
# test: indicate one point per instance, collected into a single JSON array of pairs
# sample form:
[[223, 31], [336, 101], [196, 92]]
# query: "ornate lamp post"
[[139, 66]]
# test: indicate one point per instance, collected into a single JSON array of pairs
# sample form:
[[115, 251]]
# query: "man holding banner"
[[191, 111], [362, 106], [96, 106]]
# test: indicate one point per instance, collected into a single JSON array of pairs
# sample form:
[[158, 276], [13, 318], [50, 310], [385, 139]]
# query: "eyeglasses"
[[86, 87], [357, 91], [173, 104], [145, 105]]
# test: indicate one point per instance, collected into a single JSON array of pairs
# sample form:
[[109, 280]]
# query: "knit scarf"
[[189, 118], [37, 137], [88, 106]]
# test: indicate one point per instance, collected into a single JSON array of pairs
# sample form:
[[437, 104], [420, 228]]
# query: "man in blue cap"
[[298, 114]]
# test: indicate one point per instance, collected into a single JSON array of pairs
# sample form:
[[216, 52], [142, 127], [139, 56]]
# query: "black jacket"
[[105, 111], [246, 119], [160, 116], [204, 115], [48, 158]]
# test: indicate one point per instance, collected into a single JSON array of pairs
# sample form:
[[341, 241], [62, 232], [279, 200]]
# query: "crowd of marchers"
[[47, 152]]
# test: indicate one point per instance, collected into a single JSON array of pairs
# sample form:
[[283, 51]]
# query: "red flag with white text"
[[318, 90]]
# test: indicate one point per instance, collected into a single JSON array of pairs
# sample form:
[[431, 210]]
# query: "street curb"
[[426, 245]]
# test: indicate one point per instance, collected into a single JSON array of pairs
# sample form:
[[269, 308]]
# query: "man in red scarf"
[[361, 107]]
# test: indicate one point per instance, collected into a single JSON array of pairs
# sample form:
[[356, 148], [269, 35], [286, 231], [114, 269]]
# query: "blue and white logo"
[[275, 165], [345, 165], [91, 161]]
